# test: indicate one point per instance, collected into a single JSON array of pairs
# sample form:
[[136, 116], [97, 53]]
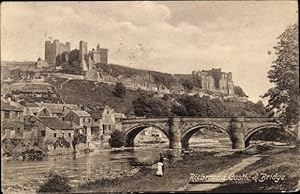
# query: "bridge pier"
[[175, 138], [237, 133]]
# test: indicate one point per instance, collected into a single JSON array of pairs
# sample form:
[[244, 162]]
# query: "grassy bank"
[[284, 168], [176, 175]]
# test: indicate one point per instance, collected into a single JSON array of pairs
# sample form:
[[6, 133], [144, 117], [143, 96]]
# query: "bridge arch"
[[132, 132], [186, 135], [264, 127]]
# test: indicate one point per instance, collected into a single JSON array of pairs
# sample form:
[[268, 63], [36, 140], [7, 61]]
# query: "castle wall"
[[52, 49]]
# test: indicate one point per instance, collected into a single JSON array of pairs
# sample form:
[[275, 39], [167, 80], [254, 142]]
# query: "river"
[[17, 174]]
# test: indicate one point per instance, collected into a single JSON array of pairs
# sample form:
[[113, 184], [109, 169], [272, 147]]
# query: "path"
[[233, 170]]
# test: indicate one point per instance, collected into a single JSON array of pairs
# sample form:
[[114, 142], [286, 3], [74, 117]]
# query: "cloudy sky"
[[173, 37]]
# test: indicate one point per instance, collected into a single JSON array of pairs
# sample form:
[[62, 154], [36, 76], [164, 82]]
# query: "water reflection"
[[77, 167]]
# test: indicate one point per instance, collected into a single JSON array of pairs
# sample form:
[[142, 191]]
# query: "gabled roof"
[[8, 107], [58, 108], [55, 123], [81, 113]]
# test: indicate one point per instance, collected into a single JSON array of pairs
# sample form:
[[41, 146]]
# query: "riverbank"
[[177, 174], [274, 161], [276, 172]]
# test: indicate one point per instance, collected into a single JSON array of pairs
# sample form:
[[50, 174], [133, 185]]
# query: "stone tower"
[[53, 49], [83, 51]]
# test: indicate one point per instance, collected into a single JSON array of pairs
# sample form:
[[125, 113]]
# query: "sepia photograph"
[[150, 96]]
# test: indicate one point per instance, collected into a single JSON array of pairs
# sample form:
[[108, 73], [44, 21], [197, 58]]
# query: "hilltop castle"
[[215, 80], [86, 58], [52, 49], [89, 59]]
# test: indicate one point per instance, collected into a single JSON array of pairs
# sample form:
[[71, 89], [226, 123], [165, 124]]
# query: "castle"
[[215, 80], [86, 58], [89, 59], [52, 49]]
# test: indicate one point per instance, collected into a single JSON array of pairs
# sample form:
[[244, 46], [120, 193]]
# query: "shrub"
[[117, 139], [120, 90], [56, 183]]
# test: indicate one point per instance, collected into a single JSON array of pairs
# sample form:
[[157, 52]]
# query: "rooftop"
[[6, 106], [58, 108], [55, 123], [81, 113]]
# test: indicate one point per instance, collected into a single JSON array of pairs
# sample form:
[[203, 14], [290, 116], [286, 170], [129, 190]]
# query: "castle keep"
[[215, 80], [52, 49], [86, 58]]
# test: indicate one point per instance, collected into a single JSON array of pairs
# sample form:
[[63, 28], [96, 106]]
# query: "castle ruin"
[[53, 49], [86, 58], [215, 80]]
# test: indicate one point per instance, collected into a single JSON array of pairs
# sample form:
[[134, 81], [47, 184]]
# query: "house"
[[103, 121], [59, 110], [9, 112], [11, 121], [37, 111], [82, 119], [49, 127], [119, 118]]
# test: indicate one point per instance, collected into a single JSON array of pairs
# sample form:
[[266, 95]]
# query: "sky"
[[174, 37]]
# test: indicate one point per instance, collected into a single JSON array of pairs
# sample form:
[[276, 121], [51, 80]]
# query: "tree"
[[284, 96], [145, 105], [120, 90], [117, 139], [187, 84]]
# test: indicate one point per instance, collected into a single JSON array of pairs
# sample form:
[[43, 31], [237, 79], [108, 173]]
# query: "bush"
[[117, 139], [120, 90], [56, 183]]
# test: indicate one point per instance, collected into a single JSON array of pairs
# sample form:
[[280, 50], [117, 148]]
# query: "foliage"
[[239, 91], [197, 82], [187, 84], [120, 90], [147, 105], [73, 65], [117, 139], [284, 96], [56, 183], [163, 78], [178, 110]]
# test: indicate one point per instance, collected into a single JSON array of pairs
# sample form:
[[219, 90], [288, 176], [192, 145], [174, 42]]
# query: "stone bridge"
[[180, 129]]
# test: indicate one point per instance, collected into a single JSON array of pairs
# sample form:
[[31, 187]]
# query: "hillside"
[[90, 92]]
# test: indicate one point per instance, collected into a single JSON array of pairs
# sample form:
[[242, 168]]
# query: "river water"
[[17, 175]]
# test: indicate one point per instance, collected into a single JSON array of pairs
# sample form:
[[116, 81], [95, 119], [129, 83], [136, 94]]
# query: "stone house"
[[9, 112], [59, 110], [11, 121], [50, 127], [37, 111], [103, 121], [82, 119]]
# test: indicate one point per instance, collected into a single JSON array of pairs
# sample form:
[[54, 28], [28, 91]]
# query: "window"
[[63, 135], [69, 134], [54, 134], [43, 133], [6, 114], [95, 120], [109, 127], [104, 127]]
